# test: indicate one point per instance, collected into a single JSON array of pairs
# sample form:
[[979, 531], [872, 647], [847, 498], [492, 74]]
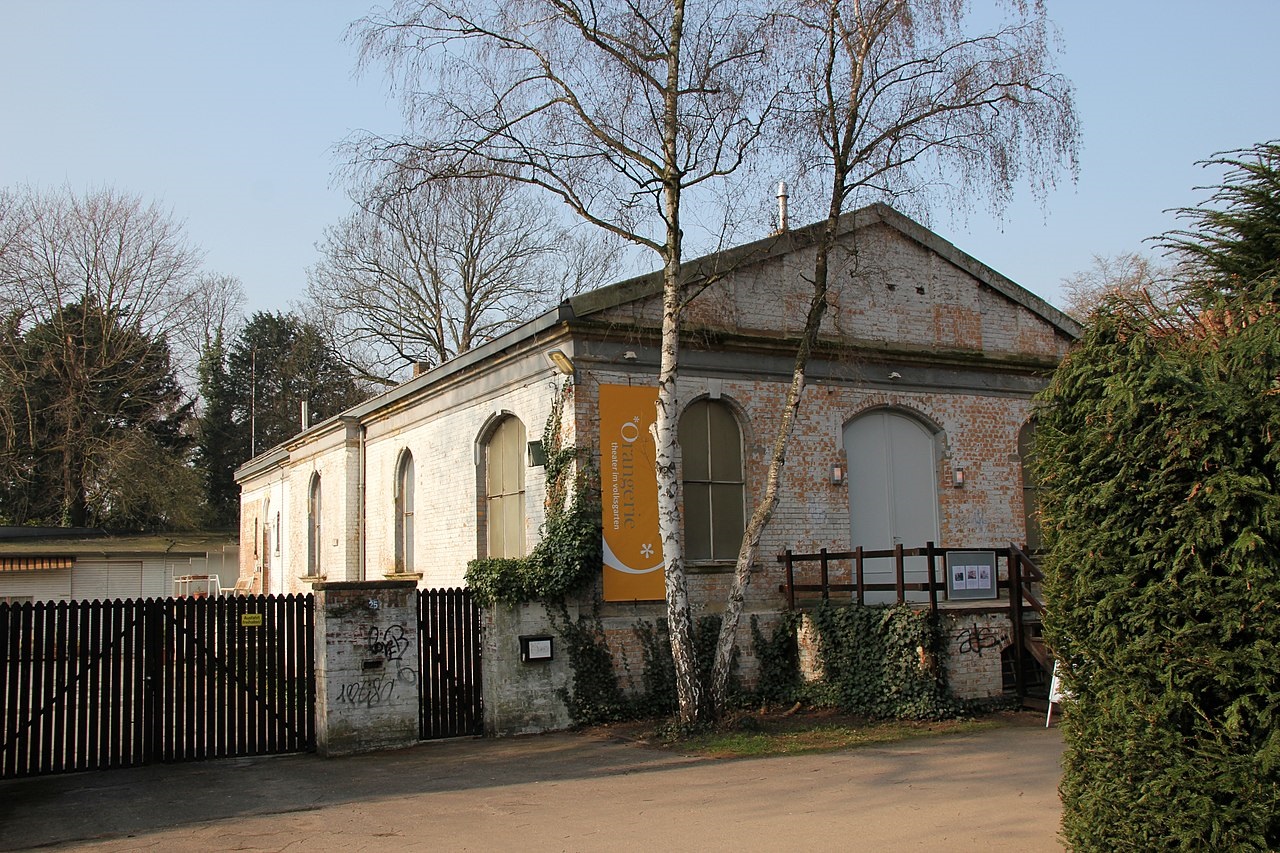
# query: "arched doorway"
[[893, 492]]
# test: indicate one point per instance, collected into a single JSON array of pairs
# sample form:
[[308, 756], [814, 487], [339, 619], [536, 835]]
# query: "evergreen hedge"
[[1159, 446]]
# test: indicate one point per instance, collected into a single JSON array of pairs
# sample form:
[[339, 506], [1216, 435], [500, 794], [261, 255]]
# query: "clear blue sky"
[[228, 111]]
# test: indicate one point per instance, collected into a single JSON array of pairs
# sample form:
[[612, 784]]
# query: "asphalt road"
[[994, 789]]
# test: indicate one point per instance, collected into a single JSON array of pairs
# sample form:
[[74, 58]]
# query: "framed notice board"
[[971, 574]]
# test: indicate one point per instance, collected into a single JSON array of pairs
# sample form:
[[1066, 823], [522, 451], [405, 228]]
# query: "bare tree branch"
[[425, 270], [616, 109], [886, 90]]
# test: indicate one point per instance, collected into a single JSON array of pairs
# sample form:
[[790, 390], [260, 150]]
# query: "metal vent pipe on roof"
[[783, 224]]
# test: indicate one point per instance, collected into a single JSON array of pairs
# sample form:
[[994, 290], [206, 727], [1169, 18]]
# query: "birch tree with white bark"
[[903, 99], [616, 110]]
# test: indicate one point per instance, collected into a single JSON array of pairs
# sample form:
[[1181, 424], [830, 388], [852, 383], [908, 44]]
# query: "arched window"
[[504, 454], [265, 586], [266, 534], [1030, 486], [314, 540], [404, 513], [714, 492]]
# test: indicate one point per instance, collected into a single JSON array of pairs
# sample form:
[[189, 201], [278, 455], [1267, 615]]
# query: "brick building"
[[909, 431]]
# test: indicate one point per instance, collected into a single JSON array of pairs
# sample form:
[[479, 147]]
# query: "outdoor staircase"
[[1037, 666], [1028, 663]]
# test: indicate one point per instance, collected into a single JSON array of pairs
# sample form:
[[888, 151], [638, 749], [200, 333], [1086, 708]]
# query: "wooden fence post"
[[826, 578], [791, 583], [933, 575], [860, 582], [900, 580]]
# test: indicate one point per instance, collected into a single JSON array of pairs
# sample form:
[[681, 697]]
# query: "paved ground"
[[995, 789]]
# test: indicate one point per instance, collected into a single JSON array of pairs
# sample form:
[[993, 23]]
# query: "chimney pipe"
[[306, 415], [783, 224]]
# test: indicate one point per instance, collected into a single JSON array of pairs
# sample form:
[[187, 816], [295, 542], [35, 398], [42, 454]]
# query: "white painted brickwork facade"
[[914, 327], [445, 433]]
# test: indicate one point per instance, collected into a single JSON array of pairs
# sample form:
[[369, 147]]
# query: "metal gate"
[[449, 656], [90, 685]]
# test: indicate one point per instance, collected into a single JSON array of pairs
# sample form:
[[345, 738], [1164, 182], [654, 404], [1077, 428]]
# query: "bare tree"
[[216, 309], [1127, 275], [103, 247], [91, 286], [893, 99], [425, 270], [617, 109], [10, 226]]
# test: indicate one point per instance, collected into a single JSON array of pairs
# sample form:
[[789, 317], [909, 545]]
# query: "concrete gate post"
[[366, 636]]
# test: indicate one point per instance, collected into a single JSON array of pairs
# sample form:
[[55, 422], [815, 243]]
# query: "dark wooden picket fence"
[[90, 685], [449, 652]]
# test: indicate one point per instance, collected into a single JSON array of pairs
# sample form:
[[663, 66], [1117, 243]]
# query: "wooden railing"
[[1022, 574], [860, 587]]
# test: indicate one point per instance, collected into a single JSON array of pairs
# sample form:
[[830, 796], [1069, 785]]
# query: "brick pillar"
[[366, 636]]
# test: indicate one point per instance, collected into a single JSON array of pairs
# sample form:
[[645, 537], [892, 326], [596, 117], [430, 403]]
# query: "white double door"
[[893, 493]]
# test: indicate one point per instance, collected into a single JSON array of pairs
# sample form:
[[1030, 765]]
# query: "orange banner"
[[633, 564]]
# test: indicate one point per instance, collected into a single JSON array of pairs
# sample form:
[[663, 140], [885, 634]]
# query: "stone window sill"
[[711, 567]]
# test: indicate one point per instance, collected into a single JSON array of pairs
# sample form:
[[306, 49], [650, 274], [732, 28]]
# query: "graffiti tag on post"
[[390, 644]]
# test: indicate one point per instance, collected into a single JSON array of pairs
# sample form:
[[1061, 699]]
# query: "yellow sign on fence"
[[633, 562], [251, 620]]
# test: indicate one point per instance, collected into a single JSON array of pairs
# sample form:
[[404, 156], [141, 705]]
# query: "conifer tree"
[[277, 362], [217, 452], [1161, 511]]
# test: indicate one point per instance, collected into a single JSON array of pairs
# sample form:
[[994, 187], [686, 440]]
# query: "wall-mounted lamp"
[[561, 361], [957, 478], [838, 474]]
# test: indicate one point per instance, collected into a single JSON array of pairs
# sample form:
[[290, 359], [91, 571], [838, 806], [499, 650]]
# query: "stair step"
[[1040, 652]]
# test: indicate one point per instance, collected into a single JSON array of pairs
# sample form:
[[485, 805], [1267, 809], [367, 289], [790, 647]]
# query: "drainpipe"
[[361, 527], [355, 431]]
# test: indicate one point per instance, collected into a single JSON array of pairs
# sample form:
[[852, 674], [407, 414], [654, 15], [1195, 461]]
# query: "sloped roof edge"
[[531, 329], [976, 268], [702, 268], [722, 262]]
